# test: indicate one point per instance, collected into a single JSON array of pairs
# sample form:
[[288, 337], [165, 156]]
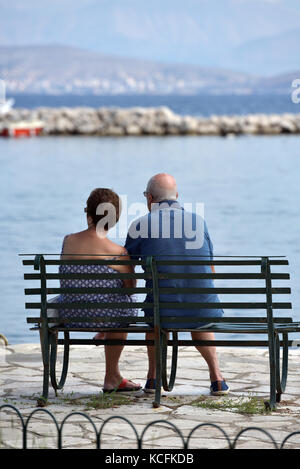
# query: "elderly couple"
[[161, 194]]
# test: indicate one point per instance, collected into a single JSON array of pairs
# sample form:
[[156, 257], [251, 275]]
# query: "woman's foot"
[[125, 385]]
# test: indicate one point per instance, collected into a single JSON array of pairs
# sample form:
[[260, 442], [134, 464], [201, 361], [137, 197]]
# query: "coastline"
[[142, 121]]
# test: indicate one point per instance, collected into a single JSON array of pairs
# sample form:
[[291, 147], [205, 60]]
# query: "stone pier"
[[149, 121]]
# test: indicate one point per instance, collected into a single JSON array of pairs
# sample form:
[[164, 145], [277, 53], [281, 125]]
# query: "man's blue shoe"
[[150, 386], [219, 388]]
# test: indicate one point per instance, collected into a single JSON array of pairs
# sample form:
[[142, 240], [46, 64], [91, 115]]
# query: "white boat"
[[20, 128], [6, 106]]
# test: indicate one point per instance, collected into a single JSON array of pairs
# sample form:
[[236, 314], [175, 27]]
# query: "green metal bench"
[[256, 280]]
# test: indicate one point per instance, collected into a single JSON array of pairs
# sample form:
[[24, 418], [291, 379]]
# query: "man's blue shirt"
[[169, 232]]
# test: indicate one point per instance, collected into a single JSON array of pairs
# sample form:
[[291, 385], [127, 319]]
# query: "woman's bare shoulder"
[[73, 237], [71, 240], [118, 250]]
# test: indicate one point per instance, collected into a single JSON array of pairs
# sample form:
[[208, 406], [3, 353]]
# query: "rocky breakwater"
[[150, 121]]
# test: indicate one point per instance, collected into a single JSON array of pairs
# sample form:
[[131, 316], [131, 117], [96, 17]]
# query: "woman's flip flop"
[[123, 387]]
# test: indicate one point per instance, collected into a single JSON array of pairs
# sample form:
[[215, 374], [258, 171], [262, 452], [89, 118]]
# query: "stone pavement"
[[246, 370]]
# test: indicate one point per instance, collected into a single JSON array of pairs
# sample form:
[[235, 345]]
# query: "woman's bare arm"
[[126, 269]]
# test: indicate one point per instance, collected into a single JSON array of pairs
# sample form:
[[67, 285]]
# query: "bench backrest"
[[245, 286]]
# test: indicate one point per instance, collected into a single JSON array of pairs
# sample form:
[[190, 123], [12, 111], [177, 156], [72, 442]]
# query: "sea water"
[[249, 186]]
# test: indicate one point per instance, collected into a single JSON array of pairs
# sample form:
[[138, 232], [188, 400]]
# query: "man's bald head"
[[162, 186]]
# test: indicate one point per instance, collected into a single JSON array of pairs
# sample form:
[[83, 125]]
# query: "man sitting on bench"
[[167, 230]]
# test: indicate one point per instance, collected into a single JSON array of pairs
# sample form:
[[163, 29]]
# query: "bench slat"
[[87, 262], [87, 276], [165, 305], [158, 262], [31, 320], [87, 290], [127, 320], [243, 329], [163, 290], [110, 305], [229, 276], [219, 262], [223, 343]]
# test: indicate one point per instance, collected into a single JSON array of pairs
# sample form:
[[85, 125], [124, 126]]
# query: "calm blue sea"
[[249, 186], [199, 105]]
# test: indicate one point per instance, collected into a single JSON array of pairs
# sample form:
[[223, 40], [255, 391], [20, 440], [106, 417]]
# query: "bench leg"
[[158, 358], [281, 377], [45, 347], [161, 349], [169, 384], [53, 356], [156, 402], [272, 364]]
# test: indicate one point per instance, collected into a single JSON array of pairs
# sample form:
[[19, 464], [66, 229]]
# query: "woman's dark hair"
[[112, 211]]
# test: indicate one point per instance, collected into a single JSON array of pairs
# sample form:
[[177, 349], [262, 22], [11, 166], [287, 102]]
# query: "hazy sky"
[[228, 33]]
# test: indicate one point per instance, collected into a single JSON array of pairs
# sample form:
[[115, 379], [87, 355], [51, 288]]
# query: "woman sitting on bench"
[[89, 244]]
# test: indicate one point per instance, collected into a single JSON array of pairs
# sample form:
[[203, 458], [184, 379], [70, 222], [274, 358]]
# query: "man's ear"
[[149, 202], [89, 220]]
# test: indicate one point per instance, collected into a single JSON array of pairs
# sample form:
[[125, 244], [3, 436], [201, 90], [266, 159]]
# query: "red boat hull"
[[20, 132]]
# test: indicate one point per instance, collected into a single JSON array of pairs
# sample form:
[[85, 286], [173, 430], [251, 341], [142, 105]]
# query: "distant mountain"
[[279, 84], [268, 54], [61, 70], [235, 34]]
